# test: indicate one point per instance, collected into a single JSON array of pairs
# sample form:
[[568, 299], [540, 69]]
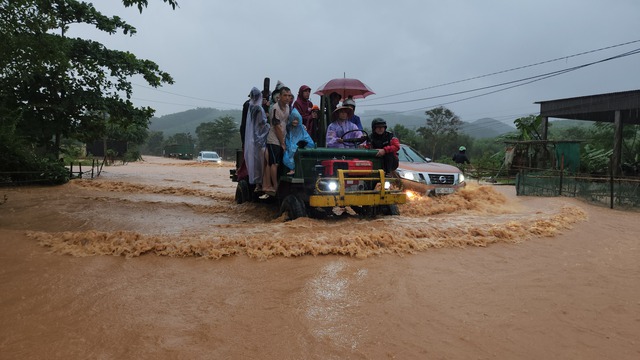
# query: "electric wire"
[[505, 71], [513, 83], [186, 96], [411, 91], [520, 82]]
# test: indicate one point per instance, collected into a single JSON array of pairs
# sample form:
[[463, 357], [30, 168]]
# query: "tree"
[[529, 127], [441, 125], [181, 139], [222, 133], [154, 143], [406, 135], [602, 139], [52, 86]]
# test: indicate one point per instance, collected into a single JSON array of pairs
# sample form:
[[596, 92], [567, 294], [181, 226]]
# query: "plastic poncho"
[[337, 129], [294, 135], [255, 137]]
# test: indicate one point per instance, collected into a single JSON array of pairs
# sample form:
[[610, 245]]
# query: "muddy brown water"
[[155, 260]]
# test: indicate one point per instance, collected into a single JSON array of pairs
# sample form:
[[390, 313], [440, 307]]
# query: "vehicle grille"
[[444, 179]]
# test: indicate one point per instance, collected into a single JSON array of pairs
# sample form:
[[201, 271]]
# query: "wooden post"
[[545, 127], [71, 170], [93, 161], [561, 173], [616, 160], [611, 184]]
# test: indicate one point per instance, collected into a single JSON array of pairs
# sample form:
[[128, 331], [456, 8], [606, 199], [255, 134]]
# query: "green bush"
[[19, 165]]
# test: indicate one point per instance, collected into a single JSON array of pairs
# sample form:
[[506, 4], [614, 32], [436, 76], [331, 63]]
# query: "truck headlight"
[[460, 178], [411, 175]]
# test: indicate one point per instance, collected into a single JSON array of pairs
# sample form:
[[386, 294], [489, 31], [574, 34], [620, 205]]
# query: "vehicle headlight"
[[387, 185], [333, 186], [460, 178], [409, 175]]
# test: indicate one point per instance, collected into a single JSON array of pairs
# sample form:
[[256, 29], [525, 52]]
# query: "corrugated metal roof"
[[601, 107]]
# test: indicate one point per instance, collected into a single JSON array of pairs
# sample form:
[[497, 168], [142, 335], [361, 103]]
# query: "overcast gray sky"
[[217, 50]]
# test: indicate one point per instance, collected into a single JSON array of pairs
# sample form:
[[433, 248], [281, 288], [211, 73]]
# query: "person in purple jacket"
[[340, 126]]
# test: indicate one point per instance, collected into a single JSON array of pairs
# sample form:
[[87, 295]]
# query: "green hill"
[[188, 121], [410, 121], [486, 128]]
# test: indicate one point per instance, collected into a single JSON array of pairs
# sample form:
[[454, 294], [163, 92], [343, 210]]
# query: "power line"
[[532, 80], [186, 96], [505, 71], [166, 103]]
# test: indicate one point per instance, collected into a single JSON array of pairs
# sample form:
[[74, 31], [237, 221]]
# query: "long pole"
[[611, 185]]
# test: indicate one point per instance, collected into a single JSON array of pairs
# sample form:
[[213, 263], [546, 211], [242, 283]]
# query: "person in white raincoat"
[[255, 138]]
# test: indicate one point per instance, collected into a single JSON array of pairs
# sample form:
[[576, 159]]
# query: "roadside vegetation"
[[57, 91]]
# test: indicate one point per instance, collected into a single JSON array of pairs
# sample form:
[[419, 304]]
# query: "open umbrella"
[[345, 87]]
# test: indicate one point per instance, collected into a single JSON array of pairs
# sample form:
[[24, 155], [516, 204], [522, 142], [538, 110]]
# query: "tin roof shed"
[[618, 108]]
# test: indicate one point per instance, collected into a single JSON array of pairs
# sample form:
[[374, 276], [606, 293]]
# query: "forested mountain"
[[411, 121], [188, 121], [486, 128]]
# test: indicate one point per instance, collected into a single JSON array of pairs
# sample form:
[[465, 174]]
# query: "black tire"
[[373, 211], [390, 210], [318, 213], [365, 211], [242, 192], [293, 207]]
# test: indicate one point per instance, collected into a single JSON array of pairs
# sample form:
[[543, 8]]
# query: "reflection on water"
[[328, 302]]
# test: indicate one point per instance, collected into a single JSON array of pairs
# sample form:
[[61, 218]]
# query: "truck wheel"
[[390, 209], [365, 211], [318, 213], [293, 207], [242, 192]]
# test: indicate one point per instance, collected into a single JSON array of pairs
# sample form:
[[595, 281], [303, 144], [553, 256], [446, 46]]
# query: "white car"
[[209, 156]]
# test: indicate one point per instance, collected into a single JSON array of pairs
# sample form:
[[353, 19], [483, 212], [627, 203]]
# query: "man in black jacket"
[[461, 156]]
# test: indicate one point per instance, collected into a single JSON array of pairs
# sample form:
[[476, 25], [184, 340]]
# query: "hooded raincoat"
[[294, 135], [304, 108], [255, 137]]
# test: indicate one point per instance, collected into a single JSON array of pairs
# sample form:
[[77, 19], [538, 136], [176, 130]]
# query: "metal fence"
[[621, 192], [76, 171]]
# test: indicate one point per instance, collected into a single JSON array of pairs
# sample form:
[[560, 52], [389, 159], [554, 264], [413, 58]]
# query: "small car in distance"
[[209, 156], [425, 177]]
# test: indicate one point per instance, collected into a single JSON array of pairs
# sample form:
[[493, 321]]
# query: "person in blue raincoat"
[[297, 137]]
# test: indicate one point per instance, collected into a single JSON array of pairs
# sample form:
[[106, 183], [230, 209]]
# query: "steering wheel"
[[355, 141]]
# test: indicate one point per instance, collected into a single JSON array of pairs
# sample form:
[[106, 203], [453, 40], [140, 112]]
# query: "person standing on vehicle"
[[304, 106], [297, 137], [461, 156], [255, 133], [386, 143], [334, 101], [340, 126], [354, 118], [278, 115]]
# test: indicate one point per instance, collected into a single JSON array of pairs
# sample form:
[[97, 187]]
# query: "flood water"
[[156, 260]]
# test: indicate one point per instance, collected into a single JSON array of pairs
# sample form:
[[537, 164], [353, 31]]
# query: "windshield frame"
[[411, 155]]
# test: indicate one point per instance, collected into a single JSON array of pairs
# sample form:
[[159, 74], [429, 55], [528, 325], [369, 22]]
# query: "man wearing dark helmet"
[[387, 144]]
